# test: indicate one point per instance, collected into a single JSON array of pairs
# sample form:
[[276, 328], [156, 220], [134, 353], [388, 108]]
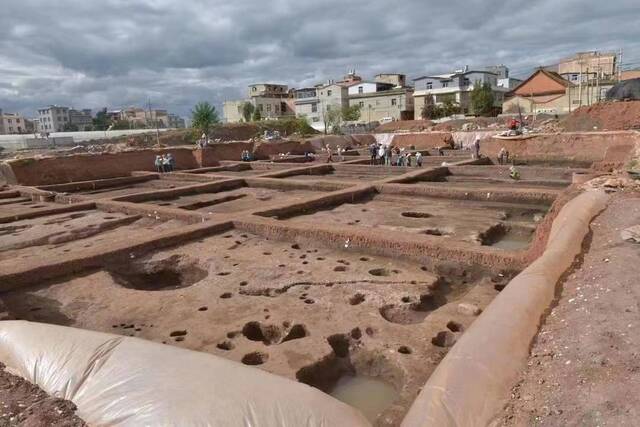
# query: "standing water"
[[367, 394]]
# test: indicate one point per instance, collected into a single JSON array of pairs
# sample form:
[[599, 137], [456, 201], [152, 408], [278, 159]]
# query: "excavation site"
[[408, 293]]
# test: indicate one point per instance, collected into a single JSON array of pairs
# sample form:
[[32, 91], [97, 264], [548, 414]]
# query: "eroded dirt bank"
[[584, 367]]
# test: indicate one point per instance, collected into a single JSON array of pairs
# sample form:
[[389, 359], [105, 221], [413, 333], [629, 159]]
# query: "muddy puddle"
[[369, 395]]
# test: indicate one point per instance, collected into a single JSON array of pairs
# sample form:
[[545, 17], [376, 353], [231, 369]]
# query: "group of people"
[[389, 155], [339, 153], [165, 163], [246, 156]]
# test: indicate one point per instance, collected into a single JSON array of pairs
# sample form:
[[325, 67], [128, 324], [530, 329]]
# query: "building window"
[[315, 119], [328, 93], [260, 107], [268, 108], [253, 89], [394, 101], [314, 108], [360, 89], [429, 85], [445, 84], [9, 120], [361, 104]]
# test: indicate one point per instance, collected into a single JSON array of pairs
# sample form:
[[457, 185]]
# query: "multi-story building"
[[175, 121], [274, 101], [307, 104], [589, 66], [81, 119], [139, 117], [457, 87], [53, 118], [385, 98], [11, 123]]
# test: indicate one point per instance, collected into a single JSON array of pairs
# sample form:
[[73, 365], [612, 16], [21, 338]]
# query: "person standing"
[[418, 159], [158, 163], [172, 162], [165, 163], [372, 151], [501, 155], [381, 152], [387, 155], [329, 154], [476, 148]]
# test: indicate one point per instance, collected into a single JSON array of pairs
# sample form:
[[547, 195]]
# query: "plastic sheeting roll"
[[125, 381]]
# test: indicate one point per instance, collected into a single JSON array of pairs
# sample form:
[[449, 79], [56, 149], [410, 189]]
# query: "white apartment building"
[[53, 118]]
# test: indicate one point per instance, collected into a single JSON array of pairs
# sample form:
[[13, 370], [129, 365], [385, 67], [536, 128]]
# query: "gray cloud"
[[117, 53]]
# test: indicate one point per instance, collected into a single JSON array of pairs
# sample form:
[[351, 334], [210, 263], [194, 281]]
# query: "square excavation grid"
[[376, 272]]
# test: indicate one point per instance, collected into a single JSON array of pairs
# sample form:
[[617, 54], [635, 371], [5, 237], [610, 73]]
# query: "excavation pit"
[[345, 277]]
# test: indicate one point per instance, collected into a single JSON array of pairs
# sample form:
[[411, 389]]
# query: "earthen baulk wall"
[[608, 147], [86, 167]]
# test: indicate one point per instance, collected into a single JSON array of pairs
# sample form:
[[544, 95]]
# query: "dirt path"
[[584, 368]]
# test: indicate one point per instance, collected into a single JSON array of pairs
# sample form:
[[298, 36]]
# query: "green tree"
[[429, 110], [351, 114], [482, 99], [332, 119], [449, 107], [204, 117], [247, 111], [257, 116], [101, 121]]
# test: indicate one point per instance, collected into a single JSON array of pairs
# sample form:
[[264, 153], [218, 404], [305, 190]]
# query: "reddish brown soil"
[[25, 404], [404, 125], [604, 116], [585, 365]]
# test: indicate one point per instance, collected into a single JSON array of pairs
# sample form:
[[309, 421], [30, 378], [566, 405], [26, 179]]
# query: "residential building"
[[140, 117], [274, 101], [386, 97], [53, 118], [307, 104], [175, 121], [81, 119], [457, 87], [589, 66], [543, 92], [11, 123]]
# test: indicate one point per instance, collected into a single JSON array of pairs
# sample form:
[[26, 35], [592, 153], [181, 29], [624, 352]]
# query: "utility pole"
[[620, 66], [156, 121], [580, 84]]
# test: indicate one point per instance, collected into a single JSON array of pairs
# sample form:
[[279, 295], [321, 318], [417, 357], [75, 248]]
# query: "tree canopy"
[[203, 117], [247, 111], [482, 99]]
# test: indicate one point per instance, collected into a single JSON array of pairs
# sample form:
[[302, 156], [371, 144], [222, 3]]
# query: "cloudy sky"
[[117, 53]]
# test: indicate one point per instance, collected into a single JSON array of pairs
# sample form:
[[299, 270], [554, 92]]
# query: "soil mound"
[[26, 404], [404, 125], [604, 116]]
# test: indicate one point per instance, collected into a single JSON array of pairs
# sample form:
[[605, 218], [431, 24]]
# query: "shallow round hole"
[[224, 273], [309, 301], [226, 345], [203, 308], [403, 349], [340, 268], [413, 214], [179, 333], [364, 259], [357, 299], [244, 283], [255, 358], [454, 326], [226, 295], [380, 272], [406, 299]]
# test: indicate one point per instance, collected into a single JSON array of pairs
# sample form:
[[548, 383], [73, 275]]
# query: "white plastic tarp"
[[125, 381]]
